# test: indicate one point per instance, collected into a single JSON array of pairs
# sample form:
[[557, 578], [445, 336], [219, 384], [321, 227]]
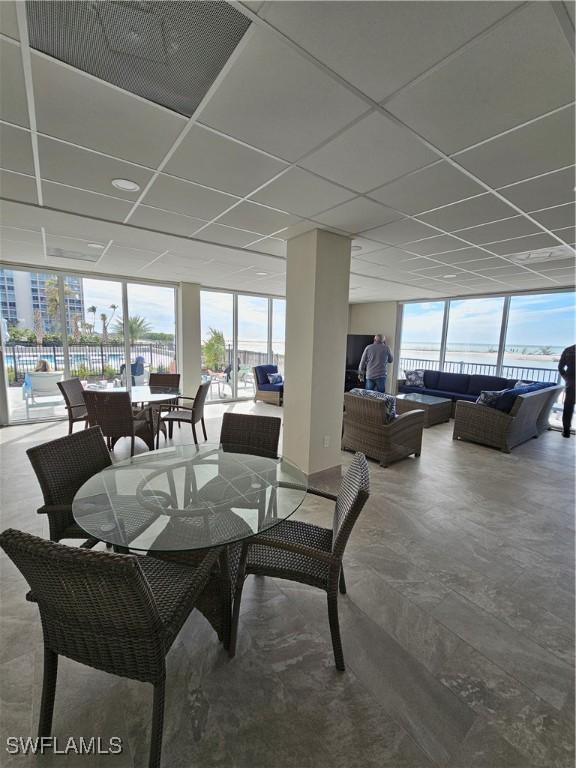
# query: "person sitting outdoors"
[[43, 366], [373, 363]]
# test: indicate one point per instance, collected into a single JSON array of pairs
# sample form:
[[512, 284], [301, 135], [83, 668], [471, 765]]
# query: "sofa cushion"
[[450, 395], [453, 382], [415, 378], [431, 379], [478, 384], [388, 401], [262, 372], [508, 397], [271, 387]]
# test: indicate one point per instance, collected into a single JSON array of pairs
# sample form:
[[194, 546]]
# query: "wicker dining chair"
[[181, 413], [62, 466], [73, 394], [307, 553], [116, 613], [247, 433], [113, 413], [168, 380]]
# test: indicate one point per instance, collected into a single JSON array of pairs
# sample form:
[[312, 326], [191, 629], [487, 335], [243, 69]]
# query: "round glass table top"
[[142, 393], [188, 497]]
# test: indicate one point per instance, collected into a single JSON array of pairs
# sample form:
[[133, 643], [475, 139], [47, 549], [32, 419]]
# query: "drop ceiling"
[[439, 136]]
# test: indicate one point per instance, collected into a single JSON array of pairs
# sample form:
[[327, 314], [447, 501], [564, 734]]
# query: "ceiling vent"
[[528, 258], [167, 52], [60, 253]]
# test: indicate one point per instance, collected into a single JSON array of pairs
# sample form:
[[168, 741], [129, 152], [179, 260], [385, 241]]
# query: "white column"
[[317, 283], [189, 338]]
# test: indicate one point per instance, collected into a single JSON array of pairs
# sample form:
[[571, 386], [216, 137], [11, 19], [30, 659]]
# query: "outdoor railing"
[[526, 373]]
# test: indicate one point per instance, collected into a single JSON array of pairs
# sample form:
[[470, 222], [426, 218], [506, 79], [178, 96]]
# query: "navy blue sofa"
[[269, 393], [457, 386]]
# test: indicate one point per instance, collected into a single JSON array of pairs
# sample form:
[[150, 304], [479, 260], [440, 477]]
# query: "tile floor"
[[457, 630]]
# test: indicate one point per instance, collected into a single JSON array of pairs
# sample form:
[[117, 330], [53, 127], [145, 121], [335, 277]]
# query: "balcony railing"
[[524, 373]]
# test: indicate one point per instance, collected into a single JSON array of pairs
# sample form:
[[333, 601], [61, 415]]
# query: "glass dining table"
[[187, 498], [142, 393]]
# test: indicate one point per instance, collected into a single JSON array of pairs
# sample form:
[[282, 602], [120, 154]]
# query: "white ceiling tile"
[[123, 260], [552, 189], [520, 244], [87, 170], [429, 188], [302, 193], [16, 149], [538, 148], [163, 221], [257, 218], [22, 252], [432, 245], [568, 234], [270, 245], [392, 257], [15, 186], [21, 235], [554, 218], [463, 255], [356, 215], [362, 246], [210, 159], [186, 197], [437, 270], [379, 47], [517, 226], [520, 70], [484, 265], [80, 108], [9, 20], [468, 213], [368, 268], [227, 235], [370, 153], [13, 106], [276, 100], [401, 232], [85, 203]]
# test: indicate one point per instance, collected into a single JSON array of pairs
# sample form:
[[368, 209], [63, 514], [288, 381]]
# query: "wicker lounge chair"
[[116, 613], [365, 430], [62, 466], [307, 553], [73, 394]]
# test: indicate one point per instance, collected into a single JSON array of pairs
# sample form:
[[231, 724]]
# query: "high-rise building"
[[22, 293]]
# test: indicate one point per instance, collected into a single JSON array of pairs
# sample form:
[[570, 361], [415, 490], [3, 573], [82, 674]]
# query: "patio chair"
[[137, 370], [246, 433], [62, 466], [40, 390], [73, 394], [307, 553], [168, 380], [190, 414], [116, 613], [113, 413]]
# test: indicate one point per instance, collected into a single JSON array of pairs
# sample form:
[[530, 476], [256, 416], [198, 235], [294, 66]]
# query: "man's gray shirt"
[[374, 360]]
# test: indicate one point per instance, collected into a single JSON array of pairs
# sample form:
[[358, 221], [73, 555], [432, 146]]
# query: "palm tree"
[[106, 322], [214, 349], [52, 293], [138, 327], [92, 311]]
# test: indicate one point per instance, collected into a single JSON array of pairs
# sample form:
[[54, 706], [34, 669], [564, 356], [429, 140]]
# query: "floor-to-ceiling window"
[[252, 345], [278, 332], [217, 332], [421, 339], [474, 327], [151, 327]]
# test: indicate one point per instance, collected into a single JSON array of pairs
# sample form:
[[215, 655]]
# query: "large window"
[[217, 329], [278, 332], [422, 334], [69, 325], [252, 346], [474, 327]]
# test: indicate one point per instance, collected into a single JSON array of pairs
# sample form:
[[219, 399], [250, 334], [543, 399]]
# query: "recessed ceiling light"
[[445, 276], [125, 185], [261, 274], [356, 247], [95, 245]]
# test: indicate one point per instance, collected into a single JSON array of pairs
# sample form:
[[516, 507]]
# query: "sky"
[[544, 319], [154, 303], [216, 312]]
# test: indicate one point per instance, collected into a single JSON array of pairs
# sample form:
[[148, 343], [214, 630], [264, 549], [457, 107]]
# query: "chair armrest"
[[47, 509], [415, 415], [299, 549]]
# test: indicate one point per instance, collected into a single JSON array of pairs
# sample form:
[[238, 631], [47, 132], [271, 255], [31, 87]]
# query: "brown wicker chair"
[[309, 554], [73, 394], [116, 613], [62, 466], [190, 414], [168, 380], [246, 433], [112, 412]]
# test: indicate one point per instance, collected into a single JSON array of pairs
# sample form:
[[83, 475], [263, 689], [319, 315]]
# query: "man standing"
[[373, 363], [566, 370]]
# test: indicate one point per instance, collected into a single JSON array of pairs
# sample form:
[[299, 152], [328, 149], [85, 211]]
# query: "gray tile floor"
[[457, 629]]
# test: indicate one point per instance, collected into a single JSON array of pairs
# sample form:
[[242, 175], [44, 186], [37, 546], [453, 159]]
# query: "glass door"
[[252, 344], [151, 330]]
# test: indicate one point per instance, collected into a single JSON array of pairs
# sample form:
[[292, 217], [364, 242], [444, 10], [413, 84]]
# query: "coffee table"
[[436, 409]]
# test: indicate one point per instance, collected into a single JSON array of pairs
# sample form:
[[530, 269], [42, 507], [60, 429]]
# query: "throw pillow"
[[522, 384], [415, 378], [488, 397], [388, 400], [275, 378]]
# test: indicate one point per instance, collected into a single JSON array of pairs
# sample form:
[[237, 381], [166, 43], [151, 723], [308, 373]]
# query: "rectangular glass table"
[[436, 409]]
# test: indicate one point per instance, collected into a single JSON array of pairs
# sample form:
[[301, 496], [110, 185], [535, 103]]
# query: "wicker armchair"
[[73, 394], [528, 418], [112, 412], [244, 433], [365, 430], [190, 414], [62, 466], [116, 613], [309, 554]]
